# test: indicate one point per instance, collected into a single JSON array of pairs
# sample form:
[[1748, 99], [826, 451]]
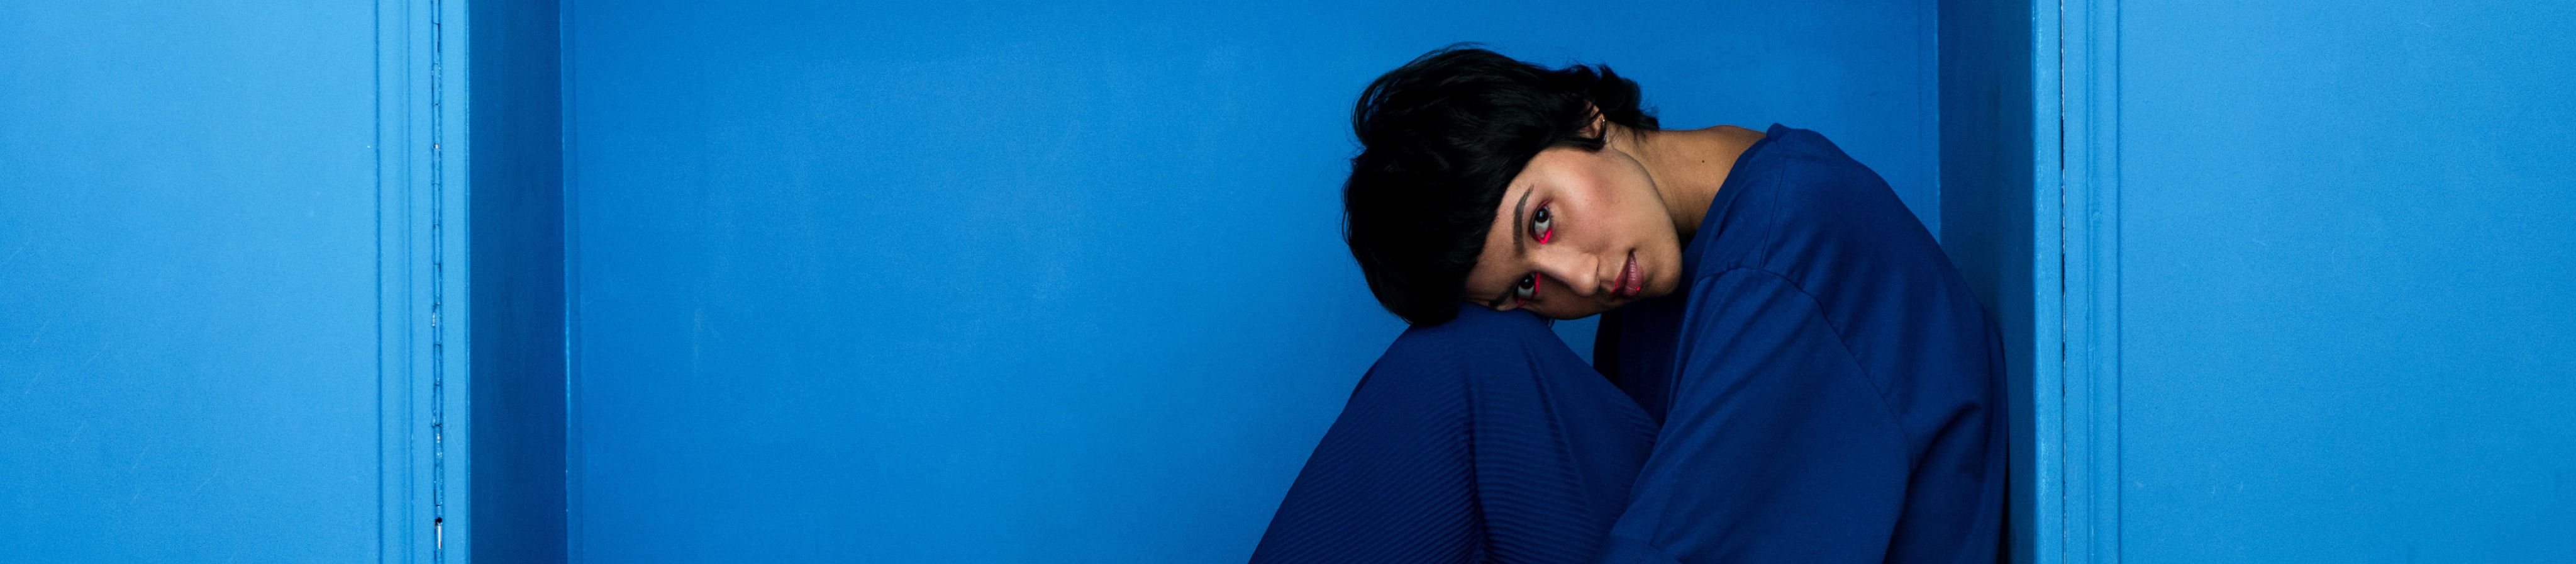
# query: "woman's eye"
[[1527, 288], [1542, 225]]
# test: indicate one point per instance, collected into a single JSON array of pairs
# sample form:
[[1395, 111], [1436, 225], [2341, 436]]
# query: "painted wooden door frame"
[[2077, 196], [421, 267]]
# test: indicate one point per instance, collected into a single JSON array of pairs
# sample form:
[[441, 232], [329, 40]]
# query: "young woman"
[[1806, 378]]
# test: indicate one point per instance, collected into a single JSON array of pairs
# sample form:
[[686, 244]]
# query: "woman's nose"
[[1579, 277]]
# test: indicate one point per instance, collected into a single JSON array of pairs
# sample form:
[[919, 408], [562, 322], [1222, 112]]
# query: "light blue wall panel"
[[2343, 299], [1038, 282], [189, 283]]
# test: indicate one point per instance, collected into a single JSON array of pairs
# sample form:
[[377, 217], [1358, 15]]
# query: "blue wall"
[[1990, 132], [518, 283], [2284, 281], [1028, 282], [2332, 286], [190, 286]]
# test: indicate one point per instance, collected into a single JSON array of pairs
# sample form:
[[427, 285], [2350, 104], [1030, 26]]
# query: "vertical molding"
[[2052, 542], [452, 144], [400, 535], [420, 272], [2088, 218]]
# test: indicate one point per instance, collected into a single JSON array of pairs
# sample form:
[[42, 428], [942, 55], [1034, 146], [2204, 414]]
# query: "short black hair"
[[1440, 139]]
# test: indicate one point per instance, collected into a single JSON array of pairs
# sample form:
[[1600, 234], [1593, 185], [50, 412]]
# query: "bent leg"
[[1481, 438]]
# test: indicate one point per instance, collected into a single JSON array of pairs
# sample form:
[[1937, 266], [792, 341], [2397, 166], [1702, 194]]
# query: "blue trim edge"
[[421, 268]]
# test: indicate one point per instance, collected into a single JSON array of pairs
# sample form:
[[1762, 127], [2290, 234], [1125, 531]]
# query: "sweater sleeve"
[[1484, 439], [1776, 448]]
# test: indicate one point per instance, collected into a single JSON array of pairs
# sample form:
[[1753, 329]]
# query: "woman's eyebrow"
[[1519, 248], [1496, 302]]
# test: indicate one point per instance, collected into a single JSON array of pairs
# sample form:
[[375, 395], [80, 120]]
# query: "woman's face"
[[1578, 232]]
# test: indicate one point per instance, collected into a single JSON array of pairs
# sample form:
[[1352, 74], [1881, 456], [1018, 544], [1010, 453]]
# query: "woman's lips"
[[1631, 278]]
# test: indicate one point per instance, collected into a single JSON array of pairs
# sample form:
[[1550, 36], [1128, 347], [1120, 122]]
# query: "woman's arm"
[[1776, 448]]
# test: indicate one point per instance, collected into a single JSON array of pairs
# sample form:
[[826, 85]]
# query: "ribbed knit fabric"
[[1483, 439]]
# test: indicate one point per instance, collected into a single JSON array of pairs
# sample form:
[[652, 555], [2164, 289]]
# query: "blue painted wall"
[[1033, 282], [189, 283], [517, 245], [1990, 136], [1018, 282], [2341, 323]]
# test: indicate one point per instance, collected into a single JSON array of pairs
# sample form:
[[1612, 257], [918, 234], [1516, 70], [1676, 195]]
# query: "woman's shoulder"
[[1804, 204], [1797, 158]]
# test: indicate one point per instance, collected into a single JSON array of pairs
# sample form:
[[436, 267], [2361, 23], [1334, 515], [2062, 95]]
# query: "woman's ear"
[[1600, 126]]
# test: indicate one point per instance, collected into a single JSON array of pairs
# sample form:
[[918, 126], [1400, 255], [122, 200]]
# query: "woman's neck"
[[1688, 166]]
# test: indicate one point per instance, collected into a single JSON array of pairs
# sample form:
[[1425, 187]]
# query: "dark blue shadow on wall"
[[517, 245]]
